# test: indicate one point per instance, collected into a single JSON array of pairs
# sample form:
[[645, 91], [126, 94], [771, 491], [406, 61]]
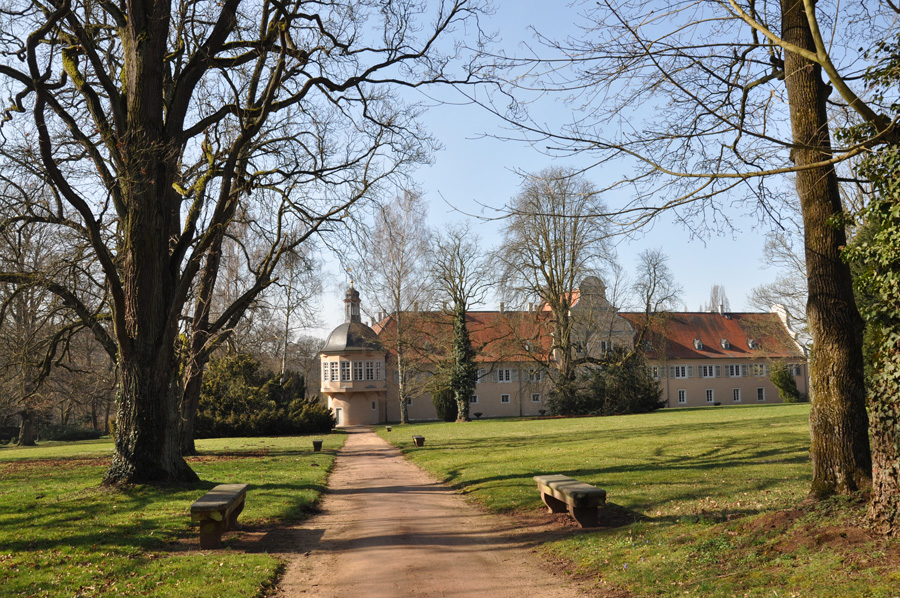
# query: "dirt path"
[[388, 530]]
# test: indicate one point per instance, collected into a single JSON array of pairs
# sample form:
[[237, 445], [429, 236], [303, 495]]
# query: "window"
[[681, 371], [734, 371], [504, 375], [370, 370], [759, 370], [374, 406], [605, 347], [379, 370], [334, 371], [534, 375], [736, 395], [795, 369], [345, 371], [654, 371], [473, 399], [481, 374], [324, 371], [535, 397], [682, 397], [357, 370], [710, 371], [710, 395], [504, 398], [760, 394]]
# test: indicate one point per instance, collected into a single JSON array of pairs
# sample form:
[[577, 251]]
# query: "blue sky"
[[474, 170]]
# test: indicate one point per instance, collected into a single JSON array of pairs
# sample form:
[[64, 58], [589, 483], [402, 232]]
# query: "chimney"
[[722, 308], [416, 306], [501, 307]]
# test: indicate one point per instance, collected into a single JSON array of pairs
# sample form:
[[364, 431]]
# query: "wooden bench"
[[561, 493], [217, 511]]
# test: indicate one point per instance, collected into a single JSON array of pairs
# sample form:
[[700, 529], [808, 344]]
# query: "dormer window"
[[752, 343], [698, 344], [725, 344]]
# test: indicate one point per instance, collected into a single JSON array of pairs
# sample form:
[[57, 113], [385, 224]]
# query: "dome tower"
[[353, 369]]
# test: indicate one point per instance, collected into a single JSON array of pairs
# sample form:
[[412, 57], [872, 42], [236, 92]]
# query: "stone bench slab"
[[561, 493], [217, 511]]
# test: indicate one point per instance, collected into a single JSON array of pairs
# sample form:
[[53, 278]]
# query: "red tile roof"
[[675, 335], [497, 336]]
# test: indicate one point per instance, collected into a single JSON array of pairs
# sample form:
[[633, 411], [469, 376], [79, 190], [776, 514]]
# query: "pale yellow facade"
[[689, 383], [502, 390], [355, 387]]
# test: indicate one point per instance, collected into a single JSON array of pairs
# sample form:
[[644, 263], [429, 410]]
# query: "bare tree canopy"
[[710, 102], [552, 241], [156, 126], [392, 269], [462, 276]]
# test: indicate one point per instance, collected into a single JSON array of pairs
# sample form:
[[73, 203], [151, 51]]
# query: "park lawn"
[[63, 535], [711, 500]]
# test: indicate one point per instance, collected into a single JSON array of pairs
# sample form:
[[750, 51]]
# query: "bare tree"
[[157, 124], [709, 102], [392, 269], [551, 242], [718, 300], [783, 250], [224, 282], [463, 277], [655, 287]]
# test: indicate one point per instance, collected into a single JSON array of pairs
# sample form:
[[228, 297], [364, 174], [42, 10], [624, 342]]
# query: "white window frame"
[[504, 375], [473, 399], [681, 371], [345, 372], [535, 375], [710, 395], [370, 370], [379, 370], [654, 371], [325, 373], [335, 373], [535, 397], [504, 398], [760, 394], [734, 370], [682, 396], [710, 371], [358, 370], [481, 374], [736, 395]]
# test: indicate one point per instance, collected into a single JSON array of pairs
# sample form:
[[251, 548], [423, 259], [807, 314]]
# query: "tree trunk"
[[190, 402], [838, 422], [401, 388], [147, 448], [147, 420], [884, 508], [26, 428]]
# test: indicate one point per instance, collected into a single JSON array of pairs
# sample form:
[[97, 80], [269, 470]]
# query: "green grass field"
[[62, 535], [712, 500]]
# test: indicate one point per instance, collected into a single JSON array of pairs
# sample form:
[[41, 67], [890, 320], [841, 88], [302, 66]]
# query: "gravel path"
[[388, 530]]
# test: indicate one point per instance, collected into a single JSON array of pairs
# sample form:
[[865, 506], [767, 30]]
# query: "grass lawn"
[[713, 499], [63, 535]]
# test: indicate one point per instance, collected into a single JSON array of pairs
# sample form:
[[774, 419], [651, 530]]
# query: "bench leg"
[[585, 516], [232, 518], [211, 534], [554, 505]]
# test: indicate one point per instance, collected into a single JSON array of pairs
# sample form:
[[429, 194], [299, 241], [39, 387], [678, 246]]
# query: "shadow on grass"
[[666, 475]]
